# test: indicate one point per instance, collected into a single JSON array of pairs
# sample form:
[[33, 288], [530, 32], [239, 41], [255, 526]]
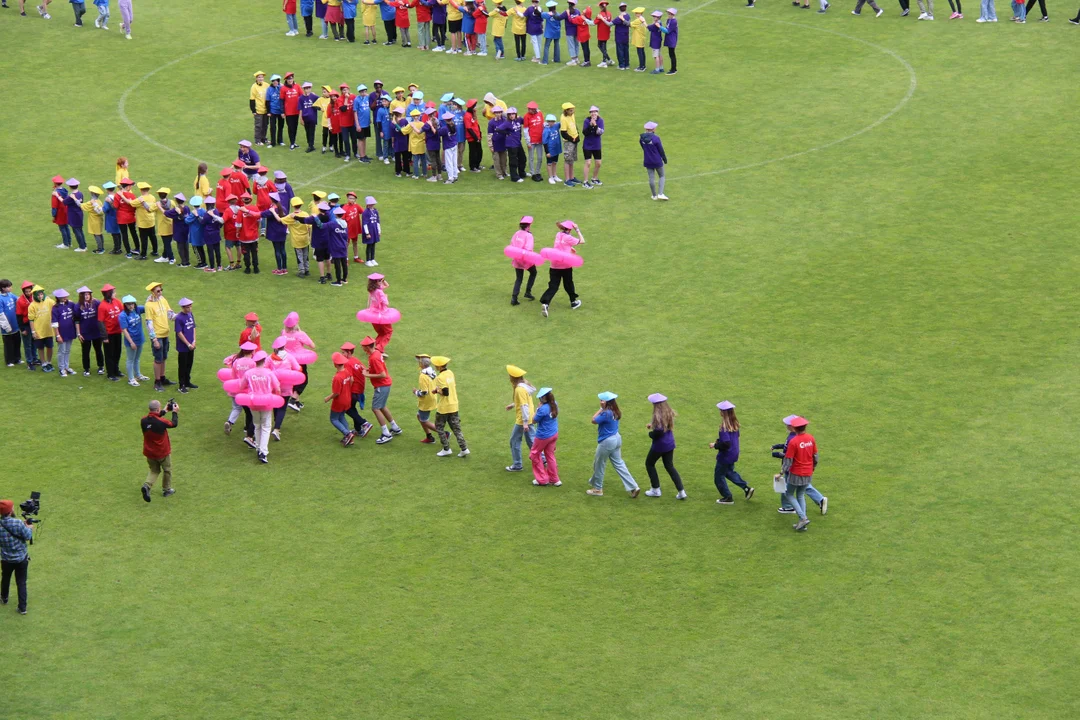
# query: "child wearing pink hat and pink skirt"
[[562, 265], [523, 239]]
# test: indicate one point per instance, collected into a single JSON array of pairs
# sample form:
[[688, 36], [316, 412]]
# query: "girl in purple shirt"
[[671, 38], [663, 446], [656, 41], [88, 330]]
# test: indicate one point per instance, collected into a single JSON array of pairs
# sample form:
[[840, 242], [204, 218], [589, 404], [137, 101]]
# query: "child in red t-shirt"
[[340, 398], [603, 32], [401, 19], [353, 213], [480, 16], [59, 212], [800, 460]]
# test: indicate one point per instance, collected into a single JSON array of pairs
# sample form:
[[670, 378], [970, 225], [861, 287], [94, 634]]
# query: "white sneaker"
[[661, 196], [61, 246], [374, 264], [483, 54], [681, 495], [824, 505], [133, 383], [438, 49], [445, 453], [276, 434], [97, 21], [652, 492], [104, 27], [552, 181], [433, 179], [128, 36], [653, 197], [981, 20], [544, 310], [463, 453], [161, 259], [923, 16], [80, 250], [572, 62]]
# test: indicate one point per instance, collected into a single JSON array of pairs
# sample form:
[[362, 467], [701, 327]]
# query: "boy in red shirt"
[[347, 122], [480, 16], [533, 120], [290, 95], [800, 460], [401, 19], [108, 316], [380, 384], [361, 426], [250, 217], [335, 124], [223, 189], [238, 179], [583, 20], [231, 220], [340, 398], [252, 331], [125, 215], [603, 32], [353, 213], [59, 213]]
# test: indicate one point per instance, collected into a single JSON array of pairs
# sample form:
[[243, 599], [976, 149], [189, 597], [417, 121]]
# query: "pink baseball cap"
[[375, 276], [249, 346], [650, 125], [279, 342], [526, 219], [259, 356]]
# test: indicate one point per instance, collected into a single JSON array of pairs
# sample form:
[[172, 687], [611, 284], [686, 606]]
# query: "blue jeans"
[[498, 45], [516, 435], [280, 256], [811, 492], [572, 47], [724, 472], [622, 52], [291, 21], [63, 355], [103, 14], [65, 235], [325, 28], [611, 449], [796, 497], [28, 345], [547, 43], [132, 361], [1019, 11], [419, 165], [987, 10], [76, 230], [337, 419], [382, 147]]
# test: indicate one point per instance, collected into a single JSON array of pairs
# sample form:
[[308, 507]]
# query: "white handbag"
[[779, 485]]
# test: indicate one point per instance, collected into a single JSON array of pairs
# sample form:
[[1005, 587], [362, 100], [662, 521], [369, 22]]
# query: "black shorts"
[[591, 154], [321, 255], [365, 132], [455, 26], [552, 159]]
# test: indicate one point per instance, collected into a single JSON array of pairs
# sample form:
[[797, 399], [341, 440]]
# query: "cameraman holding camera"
[[155, 428], [14, 534]]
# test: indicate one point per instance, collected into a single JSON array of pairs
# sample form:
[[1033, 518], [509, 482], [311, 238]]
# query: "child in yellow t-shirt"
[[637, 36], [498, 28], [371, 16], [95, 217]]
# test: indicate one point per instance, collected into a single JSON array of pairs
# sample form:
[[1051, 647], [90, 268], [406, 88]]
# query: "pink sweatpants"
[[546, 447], [126, 15]]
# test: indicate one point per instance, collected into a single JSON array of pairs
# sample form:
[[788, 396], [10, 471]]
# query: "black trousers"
[[671, 59], [251, 255], [12, 349], [291, 121], [354, 414], [249, 423], [309, 132], [519, 276], [585, 50], [476, 154], [131, 238], [299, 389], [279, 417], [519, 45], [669, 466], [115, 243], [516, 158], [147, 237], [184, 361], [905, 4], [94, 344], [350, 29], [369, 252], [19, 571], [1031, 4], [438, 36], [341, 269], [307, 25], [348, 141], [213, 255], [182, 253], [277, 129], [555, 277], [113, 349], [391, 31], [402, 162]]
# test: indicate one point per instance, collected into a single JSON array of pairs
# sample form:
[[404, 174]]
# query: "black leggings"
[[669, 466], [439, 34], [299, 389], [291, 122], [249, 423], [369, 252], [277, 129], [341, 269], [555, 277], [519, 276], [147, 237], [309, 132], [391, 31], [115, 243], [476, 154], [519, 45], [112, 354], [1031, 4], [213, 255], [307, 25], [96, 345], [402, 162], [130, 236], [585, 50], [671, 59]]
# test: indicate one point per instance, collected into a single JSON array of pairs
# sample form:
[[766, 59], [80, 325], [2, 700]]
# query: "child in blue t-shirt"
[[131, 325], [552, 142], [383, 151]]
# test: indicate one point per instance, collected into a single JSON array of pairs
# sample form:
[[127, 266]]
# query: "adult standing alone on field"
[[257, 105], [14, 535], [157, 448], [800, 461]]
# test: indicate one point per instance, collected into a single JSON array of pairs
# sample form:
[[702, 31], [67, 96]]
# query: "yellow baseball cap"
[[164, 190], [143, 186], [440, 361], [638, 10], [296, 202], [515, 371], [319, 194], [399, 89]]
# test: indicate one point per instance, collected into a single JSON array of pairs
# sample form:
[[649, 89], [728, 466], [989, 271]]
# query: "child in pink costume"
[[378, 302], [561, 272], [302, 349]]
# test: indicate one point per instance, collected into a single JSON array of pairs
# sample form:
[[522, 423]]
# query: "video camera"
[[30, 509]]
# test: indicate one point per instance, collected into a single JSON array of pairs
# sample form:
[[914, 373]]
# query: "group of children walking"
[[461, 28], [243, 208], [127, 14]]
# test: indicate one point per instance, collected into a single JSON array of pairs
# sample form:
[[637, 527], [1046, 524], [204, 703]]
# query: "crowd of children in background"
[[425, 140], [244, 206], [127, 14], [461, 28]]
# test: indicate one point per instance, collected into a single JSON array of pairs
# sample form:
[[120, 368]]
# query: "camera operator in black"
[[14, 559]]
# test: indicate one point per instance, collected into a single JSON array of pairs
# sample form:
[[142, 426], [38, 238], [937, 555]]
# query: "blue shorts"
[[381, 396], [162, 351], [423, 415], [230, 244]]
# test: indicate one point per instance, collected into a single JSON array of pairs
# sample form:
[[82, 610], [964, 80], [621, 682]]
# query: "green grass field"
[[872, 224]]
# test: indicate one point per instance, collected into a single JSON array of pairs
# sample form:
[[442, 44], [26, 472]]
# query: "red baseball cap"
[[368, 340], [246, 196], [127, 181], [532, 106], [262, 169], [58, 178], [348, 346], [799, 422], [252, 317], [231, 197], [238, 163], [106, 288], [226, 172], [289, 74]]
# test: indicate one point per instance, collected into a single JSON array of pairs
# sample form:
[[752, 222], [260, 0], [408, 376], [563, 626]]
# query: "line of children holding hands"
[[467, 23]]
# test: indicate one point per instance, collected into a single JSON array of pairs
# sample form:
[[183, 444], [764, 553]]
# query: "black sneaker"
[[167, 493], [3, 601], [514, 301], [166, 381], [785, 510], [183, 390], [158, 387], [146, 493], [336, 283], [192, 386], [726, 501], [749, 492], [263, 460]]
